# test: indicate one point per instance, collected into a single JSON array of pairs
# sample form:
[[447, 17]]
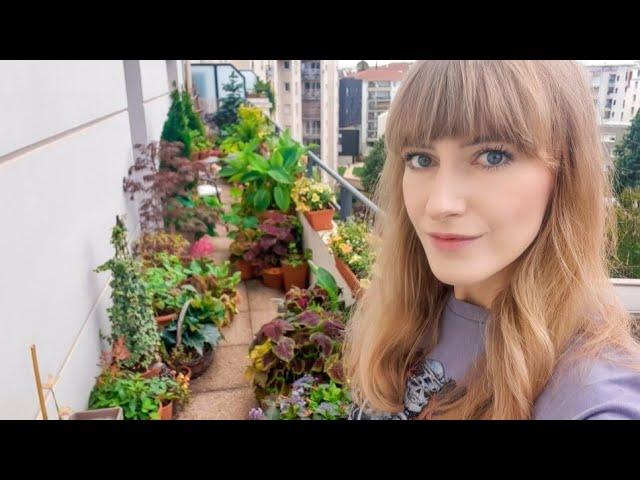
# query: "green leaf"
[[279, 174], [211, 334], [250, 176], [235, 191], [262, 199], [282, 197], [186, 201], [325, 280], [258, 163], [276, 160]]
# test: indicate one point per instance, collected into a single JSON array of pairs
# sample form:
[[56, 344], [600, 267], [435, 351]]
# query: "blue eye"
[[495, 158], [418, 160]]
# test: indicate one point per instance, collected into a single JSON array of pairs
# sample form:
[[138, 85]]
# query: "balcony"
[[310, 73], [311, 94]]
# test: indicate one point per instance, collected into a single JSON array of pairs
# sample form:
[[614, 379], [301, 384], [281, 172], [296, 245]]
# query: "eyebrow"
[[469, 143]]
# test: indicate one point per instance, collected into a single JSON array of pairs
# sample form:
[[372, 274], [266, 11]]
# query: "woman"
[[515, 318]]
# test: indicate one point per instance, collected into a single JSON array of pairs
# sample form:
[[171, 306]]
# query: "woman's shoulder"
[[601, 388]]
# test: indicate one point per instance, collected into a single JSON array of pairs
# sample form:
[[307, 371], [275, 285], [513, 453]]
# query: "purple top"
[[606, 391]]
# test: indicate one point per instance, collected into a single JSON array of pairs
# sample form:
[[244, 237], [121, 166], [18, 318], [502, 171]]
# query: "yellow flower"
[[315, 197], [346, 248]]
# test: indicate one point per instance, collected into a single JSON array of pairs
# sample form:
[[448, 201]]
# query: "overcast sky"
[[352, 63]]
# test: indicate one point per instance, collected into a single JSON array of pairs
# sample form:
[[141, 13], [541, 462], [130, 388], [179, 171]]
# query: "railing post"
[[346, 203], [309, 166]]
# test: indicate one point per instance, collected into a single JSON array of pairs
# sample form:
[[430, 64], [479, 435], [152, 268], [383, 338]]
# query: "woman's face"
[[485, 190]]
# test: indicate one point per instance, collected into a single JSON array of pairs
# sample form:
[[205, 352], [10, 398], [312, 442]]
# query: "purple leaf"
[[318, 365], [268, 360], [267, 242], [324, 342], [275, 328], [297, 365], [284, 349], [309, 319], [280, 249], [333, 368], [332, 328]]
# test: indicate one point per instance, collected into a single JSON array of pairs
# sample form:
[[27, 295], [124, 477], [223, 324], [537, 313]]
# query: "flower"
[[256, 414], [346, 248]]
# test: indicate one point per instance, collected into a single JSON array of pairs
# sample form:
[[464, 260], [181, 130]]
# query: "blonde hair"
[[559, 291]]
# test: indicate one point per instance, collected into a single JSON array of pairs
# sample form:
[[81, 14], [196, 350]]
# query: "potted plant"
[[353, 252], [295, 268], [133, 328], [150, 244], [314, 199], [267, 253], [140, 398], [244, 241]]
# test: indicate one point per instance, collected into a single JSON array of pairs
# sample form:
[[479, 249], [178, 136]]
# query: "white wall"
[[65, 148]]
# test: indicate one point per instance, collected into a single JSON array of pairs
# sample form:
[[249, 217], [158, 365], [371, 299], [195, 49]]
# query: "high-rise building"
[[616, 91], [379, 86], [306, 97]]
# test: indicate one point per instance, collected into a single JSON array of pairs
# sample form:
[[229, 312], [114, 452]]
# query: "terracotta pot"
[[165, 411], [320, 219], [195, 156], [245, 269], [295, 276], [204, 154], [349, 276], [186, 371], [164, 320], [272, 277]]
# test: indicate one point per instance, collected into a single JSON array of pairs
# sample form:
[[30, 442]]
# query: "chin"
[[458, 275]]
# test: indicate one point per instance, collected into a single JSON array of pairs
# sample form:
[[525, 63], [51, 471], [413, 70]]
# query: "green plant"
[[627, 158], [151, 243], [294, 258], [309, 195], [626, 264], [131, 315], [267, 182], [351, 244], [252, 125], [373, 164], [267, 89], [277, 232], [176, 126], [227, 113], [140, 398]]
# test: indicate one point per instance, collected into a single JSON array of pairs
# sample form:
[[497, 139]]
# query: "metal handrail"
[[347, 191]]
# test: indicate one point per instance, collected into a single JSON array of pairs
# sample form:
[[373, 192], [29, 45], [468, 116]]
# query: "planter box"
[[349, 277], [320, 219], [628, 291], [114, 413]]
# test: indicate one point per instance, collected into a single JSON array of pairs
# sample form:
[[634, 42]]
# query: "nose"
[[446, 197]]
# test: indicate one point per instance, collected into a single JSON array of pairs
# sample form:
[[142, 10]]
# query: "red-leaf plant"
[[166, 183], [277, 232], [298, 342]]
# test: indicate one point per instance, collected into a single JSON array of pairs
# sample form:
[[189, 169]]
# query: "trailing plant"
[[131, 314], [309, 195]]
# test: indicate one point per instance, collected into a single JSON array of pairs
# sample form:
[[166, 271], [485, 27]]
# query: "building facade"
[[616, 91], [69, 128]]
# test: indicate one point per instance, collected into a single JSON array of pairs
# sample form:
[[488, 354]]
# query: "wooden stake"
[[36, 372]]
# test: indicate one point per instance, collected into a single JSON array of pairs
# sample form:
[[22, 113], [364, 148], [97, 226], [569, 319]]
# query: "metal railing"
[[347, 191]]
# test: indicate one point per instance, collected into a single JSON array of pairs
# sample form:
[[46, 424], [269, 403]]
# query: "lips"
[[451, 242]]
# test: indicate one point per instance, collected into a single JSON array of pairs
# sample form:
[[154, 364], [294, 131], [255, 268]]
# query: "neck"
[[483, 293]]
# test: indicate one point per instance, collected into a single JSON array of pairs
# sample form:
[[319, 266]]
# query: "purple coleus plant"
[[294, 345], [277, 232]]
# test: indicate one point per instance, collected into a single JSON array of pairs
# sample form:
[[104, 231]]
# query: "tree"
[[373, 164], [627, 159], [227, 113], [176, 127]]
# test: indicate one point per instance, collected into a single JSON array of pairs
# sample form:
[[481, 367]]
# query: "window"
[[318, 85], [634, 97], [617, 78], [632, 109], [306, 85], [286, 64], [286, 86], [621, 115], [616, 90], [607, 114]]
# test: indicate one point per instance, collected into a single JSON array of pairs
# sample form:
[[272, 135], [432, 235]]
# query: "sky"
[[352, 63]]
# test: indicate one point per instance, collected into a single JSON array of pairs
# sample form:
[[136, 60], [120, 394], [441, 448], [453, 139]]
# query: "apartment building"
[[306, 95], [616, 91], [379, 86]]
